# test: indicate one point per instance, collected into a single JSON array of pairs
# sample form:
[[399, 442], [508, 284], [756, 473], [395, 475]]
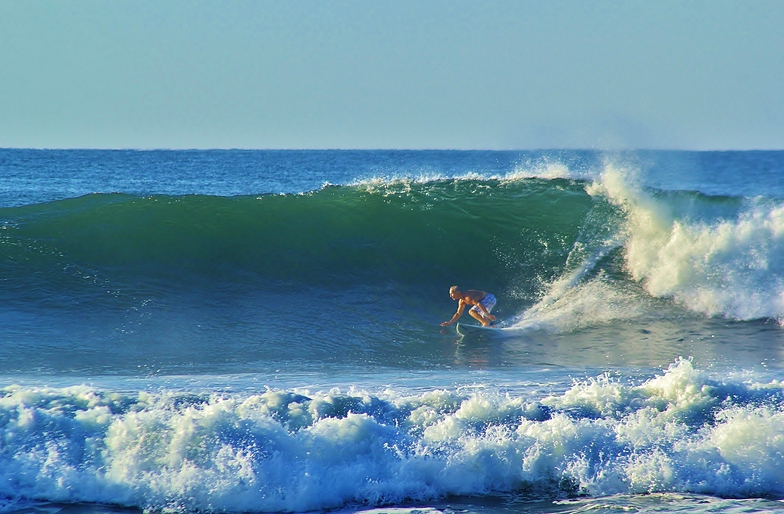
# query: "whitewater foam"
[[727, 266], [680, 431]]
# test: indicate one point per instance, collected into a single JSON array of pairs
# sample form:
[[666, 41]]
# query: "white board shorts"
[[488, 302]]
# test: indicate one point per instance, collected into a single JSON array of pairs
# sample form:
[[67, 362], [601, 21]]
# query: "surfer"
[[482, 303]]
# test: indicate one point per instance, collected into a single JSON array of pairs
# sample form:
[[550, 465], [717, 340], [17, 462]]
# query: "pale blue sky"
[[696, 74]]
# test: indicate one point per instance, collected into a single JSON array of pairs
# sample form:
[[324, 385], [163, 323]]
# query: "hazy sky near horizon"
[[464, 74]]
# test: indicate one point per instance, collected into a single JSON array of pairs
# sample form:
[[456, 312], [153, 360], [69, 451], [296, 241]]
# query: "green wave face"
[[361, 272], [427, 234]]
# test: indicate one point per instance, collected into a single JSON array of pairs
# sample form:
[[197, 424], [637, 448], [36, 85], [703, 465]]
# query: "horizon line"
[[292, 149]]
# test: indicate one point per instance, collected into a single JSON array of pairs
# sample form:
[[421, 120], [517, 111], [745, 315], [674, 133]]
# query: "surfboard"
[[473, 329]]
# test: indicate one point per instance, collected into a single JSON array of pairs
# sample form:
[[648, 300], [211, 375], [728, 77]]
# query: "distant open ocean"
[[259, 331]]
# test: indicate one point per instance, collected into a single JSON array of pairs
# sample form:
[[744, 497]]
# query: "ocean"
[[260, 331]]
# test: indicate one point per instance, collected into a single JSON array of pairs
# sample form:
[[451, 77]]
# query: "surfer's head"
[[454, 292]]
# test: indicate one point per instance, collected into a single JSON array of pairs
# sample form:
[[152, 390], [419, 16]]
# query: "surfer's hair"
[[453, 289]]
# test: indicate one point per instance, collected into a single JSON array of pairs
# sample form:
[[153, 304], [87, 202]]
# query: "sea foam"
[[730, 265], [679, 431], [717, 256]]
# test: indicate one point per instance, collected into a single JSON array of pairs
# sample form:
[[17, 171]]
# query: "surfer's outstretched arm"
[[460, 308]]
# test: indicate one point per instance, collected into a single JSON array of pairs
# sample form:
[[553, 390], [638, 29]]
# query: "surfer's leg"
[[477, 315]]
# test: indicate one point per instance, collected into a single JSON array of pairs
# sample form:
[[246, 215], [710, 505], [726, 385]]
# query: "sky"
[[424, 74]]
